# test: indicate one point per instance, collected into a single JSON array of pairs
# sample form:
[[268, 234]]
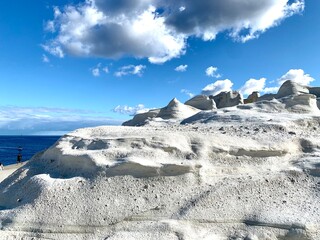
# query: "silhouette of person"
[[1, 166], [19, 158]]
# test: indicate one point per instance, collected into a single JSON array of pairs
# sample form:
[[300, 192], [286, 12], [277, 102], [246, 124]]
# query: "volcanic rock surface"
[[246, 172]]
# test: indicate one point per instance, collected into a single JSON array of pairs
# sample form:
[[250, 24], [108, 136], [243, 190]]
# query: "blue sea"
[[30, 145]]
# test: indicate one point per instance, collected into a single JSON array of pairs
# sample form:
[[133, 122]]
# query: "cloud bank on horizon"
[[158, 29], [49, 121]]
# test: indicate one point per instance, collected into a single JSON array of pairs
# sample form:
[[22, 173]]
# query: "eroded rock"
[[201, 102]]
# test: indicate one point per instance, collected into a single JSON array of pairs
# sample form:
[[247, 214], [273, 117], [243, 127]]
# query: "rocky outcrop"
[[201, 102], [253, 97], [267, 97], [241, 180], [177, 110], [227, 99], [291, 97], [291, 88], [141, 118], [301, 103]]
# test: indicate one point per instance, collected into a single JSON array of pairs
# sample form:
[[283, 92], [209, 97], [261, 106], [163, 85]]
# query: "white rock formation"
[[141, 119], [291, 88], [267, 97], [174, 112], [301, 103], [245, 172], [228, 99], [202, 102], [177, 110], [315, 91], [291, 97], [252, 179]]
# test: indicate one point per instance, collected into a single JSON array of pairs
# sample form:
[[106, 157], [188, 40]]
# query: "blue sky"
[[84, 63]]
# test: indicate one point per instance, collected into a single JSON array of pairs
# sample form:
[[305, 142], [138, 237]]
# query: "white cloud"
[[95, 72], [218, 87], [181, 68], [45, 59], [296, 75], [253, 85], [158, 30], [54, 50], [50, 26], [187, 92], [140, 108], [92, 29], [130, 70], [28, 120], [182, 8], [105, 69], [212, 72]]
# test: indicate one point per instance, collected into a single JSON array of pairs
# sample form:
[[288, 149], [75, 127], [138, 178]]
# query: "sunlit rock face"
[[251, 171], [142, 118], [291, 88], [201, 102], [177, 110]]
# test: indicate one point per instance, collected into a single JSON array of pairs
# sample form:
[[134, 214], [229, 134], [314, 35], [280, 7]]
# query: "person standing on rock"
[[19, 157]]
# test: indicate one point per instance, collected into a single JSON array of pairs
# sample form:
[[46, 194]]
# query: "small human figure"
[[19, 158], [1, 166]]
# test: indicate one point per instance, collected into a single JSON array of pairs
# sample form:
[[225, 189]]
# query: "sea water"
[[30, 145]]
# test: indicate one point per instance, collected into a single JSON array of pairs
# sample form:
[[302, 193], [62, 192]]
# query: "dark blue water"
[[30, 146]]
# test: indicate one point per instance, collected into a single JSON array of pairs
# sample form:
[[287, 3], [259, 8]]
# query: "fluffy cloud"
[[181, 68], [158, 29], [112, 30], [253, 85], [97, 70], [187, 92], [130, 70], [54, 50], [23, 120], [140, 108], [243, 19], [296, 75], [218, 87], [212, 72]]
